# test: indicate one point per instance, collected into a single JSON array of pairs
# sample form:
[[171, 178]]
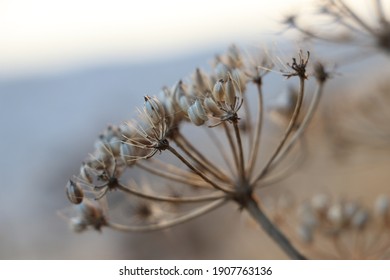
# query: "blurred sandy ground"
[[49, 124]]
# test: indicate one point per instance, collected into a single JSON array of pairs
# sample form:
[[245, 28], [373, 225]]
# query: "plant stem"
[[170, 223], [195, 199], [257, 133], [305, 122], [195, 170], [288, 131], [272, 231], [241, 169]]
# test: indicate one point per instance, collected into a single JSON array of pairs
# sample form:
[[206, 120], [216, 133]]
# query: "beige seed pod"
[[200, 110], [219, 91], [212, 107], [240, 78], [230, 96], [184, 103], [196, 115], [74, 192], [154, 109]]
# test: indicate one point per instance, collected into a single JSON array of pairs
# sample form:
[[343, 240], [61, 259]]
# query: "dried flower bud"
[[219, 91], [74, 192], [197, 114], [240, 78], [211, 106], [230, 96], [154, 109], [183, 103]]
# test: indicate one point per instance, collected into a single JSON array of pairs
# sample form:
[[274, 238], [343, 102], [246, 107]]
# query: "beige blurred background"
[[70, 68]]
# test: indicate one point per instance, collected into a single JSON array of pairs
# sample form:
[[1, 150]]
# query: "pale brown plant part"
[[217, 102]]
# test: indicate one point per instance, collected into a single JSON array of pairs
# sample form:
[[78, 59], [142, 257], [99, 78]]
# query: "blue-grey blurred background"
[[70, 68]]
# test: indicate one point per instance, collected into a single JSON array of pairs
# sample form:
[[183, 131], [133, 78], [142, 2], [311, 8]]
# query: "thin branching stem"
[[195, 199], [196, 171], [380, 12], [191, 151], [278, 176], [248, 121], [355, 17], [218, 144], [302, 127], [288, 130], [170, 223], [272, 231], [232, 145], [254, 150], [241, 166], [170, 175]]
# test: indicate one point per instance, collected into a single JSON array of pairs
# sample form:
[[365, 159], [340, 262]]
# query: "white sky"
[[38, 34]]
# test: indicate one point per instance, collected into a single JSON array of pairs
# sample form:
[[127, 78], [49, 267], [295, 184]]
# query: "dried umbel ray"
[[218, 102]]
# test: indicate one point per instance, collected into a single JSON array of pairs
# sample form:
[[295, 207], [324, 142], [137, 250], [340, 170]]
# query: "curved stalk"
[[199, 158], [218, 144], [241, 165], [180, 178], [287, 131], [257, 133], [305, 122], [232, 145], [202, 198], [166, 224], [195, 170]]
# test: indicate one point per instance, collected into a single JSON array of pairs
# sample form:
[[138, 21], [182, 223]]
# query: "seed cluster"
[[218, 102]]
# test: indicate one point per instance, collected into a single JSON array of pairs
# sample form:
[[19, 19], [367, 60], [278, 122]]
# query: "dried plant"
[[171, 138], [219, 103], [330, 228], [343, 24]]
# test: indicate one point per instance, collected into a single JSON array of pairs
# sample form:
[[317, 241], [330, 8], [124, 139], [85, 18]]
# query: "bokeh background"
[[70, 68]]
